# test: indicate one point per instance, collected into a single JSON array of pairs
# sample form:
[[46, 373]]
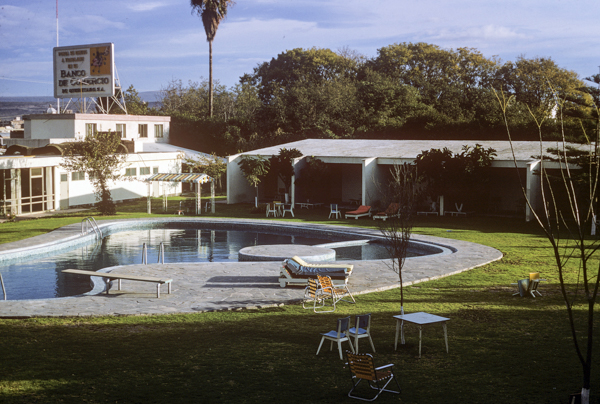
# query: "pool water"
[[42, 278]]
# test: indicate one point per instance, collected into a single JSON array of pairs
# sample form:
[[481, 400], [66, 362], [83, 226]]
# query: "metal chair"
[[271, 211], [278, 206], [314, 293], [528, 286], [337, 292], [333, 210], [362, 367], [340, 335], [361, 329]]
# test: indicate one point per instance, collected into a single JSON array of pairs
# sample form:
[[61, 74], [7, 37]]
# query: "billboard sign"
[[84, 71]]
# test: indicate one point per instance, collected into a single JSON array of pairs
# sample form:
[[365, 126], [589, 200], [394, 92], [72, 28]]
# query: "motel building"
[[31, 179], [358, 167]]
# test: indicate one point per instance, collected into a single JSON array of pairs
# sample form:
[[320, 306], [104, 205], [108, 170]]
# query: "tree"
[[314, 179], [134, 104], [448, 80], [101, 156], [212, 12], [462, 177], [403, 190], [306, 93], [254, 169], [282, 165], [565, 226]]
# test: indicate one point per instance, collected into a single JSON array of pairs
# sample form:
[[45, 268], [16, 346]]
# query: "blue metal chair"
[[340, 335], [361, 329], [333, 210]]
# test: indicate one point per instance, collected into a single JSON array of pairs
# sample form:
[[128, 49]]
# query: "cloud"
[[91, 23], [485, 32], [147, 6], [21, 27]]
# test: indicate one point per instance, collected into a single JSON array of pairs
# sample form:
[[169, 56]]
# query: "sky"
[[158, 41]]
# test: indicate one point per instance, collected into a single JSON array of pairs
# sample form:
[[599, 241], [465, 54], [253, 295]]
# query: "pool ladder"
[[90, 222], [3, 289], [161, 254]]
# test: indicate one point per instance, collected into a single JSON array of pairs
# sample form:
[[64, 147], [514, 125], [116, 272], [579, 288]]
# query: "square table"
[[420, 319]]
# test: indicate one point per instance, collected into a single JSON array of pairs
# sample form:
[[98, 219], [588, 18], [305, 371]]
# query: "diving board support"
[[109, 276]]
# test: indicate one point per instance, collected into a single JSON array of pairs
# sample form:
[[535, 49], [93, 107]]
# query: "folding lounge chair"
[[362, 367], [296, 271], [314, 293], [337, 293], [391, 211], [360, 212]]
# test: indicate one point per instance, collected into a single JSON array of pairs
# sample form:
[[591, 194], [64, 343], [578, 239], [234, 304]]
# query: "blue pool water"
[[42, 278]]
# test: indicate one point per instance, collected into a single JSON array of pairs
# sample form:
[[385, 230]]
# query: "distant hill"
[[148, 96], [28, 99], [11, 107]]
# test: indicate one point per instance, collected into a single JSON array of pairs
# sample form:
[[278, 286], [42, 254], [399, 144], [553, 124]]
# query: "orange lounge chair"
[[360, 212], [391, 211]]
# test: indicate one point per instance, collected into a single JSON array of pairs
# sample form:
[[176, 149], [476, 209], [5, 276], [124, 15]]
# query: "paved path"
[[199, 287]]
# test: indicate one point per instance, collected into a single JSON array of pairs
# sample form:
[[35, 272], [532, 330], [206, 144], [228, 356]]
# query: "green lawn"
[[503, 349]]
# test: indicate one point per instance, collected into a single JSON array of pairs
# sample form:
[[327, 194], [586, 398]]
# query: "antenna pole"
[[58, 99]]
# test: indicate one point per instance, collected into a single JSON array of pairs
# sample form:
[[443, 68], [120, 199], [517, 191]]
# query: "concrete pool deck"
[[200, 287]]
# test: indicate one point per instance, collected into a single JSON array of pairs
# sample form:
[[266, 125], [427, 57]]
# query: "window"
[[154, 170], [131, 172], [143, 130], [36, 172], [158, 131], [144, 170], [90, 129], [122, 129], [78, 176]]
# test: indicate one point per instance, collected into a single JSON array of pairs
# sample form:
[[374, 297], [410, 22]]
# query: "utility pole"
[[58, 99]]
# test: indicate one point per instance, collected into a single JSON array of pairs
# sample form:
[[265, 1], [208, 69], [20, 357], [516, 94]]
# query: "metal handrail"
[[161, 253], [3, 289], [92, 222], [144, 254]]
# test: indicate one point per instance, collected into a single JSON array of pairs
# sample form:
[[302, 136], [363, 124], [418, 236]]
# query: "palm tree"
[[211, 12]]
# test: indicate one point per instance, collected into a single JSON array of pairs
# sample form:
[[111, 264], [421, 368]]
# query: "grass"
[[503, 349]]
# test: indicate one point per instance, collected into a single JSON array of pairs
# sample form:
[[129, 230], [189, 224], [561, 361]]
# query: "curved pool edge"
[[229, 286]]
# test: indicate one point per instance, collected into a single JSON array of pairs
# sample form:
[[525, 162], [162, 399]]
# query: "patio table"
[[420, 319]]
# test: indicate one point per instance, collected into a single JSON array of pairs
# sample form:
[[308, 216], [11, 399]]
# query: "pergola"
[[191, 177]]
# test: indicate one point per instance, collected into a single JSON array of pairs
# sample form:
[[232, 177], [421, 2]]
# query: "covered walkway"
[[194, 178]]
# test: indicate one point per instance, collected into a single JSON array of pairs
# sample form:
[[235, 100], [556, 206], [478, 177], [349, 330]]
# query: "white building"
[[33, 181], [357, 166]]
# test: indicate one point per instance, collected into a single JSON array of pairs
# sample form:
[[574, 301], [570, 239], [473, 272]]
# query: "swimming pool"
[[40, 277]]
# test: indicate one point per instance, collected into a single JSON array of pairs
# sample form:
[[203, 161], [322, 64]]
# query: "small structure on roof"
[[195, 178]]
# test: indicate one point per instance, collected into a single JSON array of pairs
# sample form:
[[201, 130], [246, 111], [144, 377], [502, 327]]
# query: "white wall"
[[238, 188], [48, 126], [81, 192]]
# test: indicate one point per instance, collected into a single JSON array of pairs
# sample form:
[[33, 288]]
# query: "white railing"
[[3, 289], [90, 223], [161, 254]]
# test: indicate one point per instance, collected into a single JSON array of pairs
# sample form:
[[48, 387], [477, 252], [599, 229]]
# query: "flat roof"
[[405, 149], [98, 117]]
